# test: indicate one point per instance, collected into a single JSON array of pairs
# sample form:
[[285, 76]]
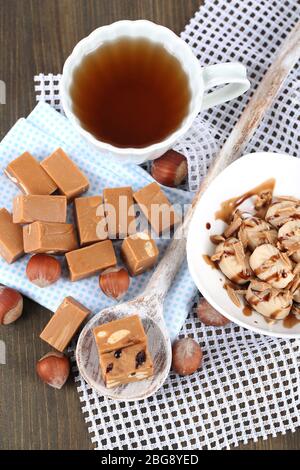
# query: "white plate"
[[242, 175]]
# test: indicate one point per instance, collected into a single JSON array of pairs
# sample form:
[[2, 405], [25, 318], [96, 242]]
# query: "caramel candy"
[[27, 173], [139, 252], [119, 334], [11, 238], [27, 209], [119, 211], [91, 223], [156, 208], [49, 237], [70, 180], [64, 323], [91, 260], [126, 365]]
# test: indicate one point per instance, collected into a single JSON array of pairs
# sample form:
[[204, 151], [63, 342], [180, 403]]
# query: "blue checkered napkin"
[[41, 133]]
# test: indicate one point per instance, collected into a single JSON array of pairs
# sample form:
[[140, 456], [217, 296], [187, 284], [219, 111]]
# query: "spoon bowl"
[[158, 344], [149, 306]]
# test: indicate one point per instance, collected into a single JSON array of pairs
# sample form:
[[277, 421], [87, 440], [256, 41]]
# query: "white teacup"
[[200, 79]]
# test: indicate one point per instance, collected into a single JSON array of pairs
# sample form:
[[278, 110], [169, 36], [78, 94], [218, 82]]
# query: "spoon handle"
[[242, 132]]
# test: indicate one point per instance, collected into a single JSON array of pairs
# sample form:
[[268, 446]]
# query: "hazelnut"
[[187, 356], [210, 316], [43, 270], [117, 336], [114, 282], [54, 369], [171, 169], [11, 305]]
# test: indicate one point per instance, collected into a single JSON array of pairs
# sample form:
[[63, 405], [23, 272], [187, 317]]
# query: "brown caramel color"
[[156, 208], [49, 237], [119, 334], [290, 321], [64, 323], [70, 181], [11, 238], [126, 365], [91, 260], [139, 252], [32, 208], [130, 92], [27, 173], [186, 356], [228, 207], [90, 223], [119, 211]]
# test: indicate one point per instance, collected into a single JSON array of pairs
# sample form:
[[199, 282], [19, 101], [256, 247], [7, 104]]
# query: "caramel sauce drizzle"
[[254, 300], [208, 261], [290, 321], [229, 206], [225, 213], [266, 265], [275, 314], [247, 311]]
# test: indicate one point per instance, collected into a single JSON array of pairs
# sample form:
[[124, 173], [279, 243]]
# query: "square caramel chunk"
[[156, 208], [27, 173], [139, 252], [64, 324], [11, 238], [122, 366], [90, 219], [32, 208], [119, 334], [119, 212], [69, 179], [90, 260], [49, 237]]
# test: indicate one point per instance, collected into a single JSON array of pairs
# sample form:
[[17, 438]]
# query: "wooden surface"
[[37, 36]]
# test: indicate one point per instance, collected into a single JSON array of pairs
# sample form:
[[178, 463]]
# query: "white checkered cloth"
[[249, 384]]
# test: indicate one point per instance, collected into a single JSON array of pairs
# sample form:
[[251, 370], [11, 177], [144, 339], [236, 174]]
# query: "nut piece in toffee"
[[119, 211], [49, 237], [91, 260], [156, 208], [11, 238], [70, 181], [126, 365], [31, 208], [91, 223], [27, 173], [64, 323], [139, 252], [123, 351], [119, 334]]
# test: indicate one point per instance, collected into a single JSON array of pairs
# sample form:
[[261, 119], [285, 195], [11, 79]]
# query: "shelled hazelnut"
[[54, 369], [114, 282], [43, 270], [170, 169], [11, 305], [187, 356]]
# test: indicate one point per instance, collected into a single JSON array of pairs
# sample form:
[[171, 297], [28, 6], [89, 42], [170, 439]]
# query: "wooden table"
[[37, 36]]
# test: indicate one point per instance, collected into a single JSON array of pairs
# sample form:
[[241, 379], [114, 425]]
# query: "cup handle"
[[233, 74]]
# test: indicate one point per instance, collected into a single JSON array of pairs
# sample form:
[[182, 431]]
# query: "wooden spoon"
[[149, 305]]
